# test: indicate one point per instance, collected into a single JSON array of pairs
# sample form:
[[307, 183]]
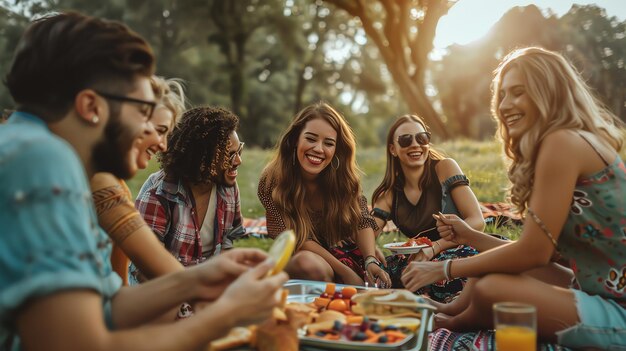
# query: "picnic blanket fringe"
[[482, 340]]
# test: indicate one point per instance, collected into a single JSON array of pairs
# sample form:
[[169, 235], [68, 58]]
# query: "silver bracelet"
[[446, 269], [370, 259]]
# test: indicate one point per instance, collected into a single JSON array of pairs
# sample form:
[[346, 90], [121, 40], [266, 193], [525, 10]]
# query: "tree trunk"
[[404, 40]]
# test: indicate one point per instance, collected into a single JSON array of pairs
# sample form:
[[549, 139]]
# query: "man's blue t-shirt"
[[49, 234]]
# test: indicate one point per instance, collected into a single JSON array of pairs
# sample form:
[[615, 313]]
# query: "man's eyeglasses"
[[231, 156], [146, 107], [422, 138]]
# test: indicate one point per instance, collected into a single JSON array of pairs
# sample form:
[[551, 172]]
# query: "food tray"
[[306, 291], [311, 344]]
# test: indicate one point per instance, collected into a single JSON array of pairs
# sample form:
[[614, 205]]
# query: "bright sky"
[[469, 20]]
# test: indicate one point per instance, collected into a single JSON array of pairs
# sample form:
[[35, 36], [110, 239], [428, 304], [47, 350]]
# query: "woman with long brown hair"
[[420, 181], [312, 186]]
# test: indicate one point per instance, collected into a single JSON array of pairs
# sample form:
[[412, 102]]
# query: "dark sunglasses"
[[146, 107], [239, 151], [422, 138]]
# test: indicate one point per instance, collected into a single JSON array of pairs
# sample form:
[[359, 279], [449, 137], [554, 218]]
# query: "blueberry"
[[383, 339], [391, 327], [337, 325], [360, 336], [320, 333], [375, 327]]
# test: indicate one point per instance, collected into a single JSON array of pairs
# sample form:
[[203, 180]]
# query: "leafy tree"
[[11, 27], [596, 43], [404, 31]]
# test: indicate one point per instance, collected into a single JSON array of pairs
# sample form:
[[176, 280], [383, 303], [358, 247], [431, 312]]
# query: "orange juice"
[[514, 338]]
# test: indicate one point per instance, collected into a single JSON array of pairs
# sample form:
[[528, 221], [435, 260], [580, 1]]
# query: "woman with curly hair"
[[567, 175], [131, 236], [312, 186], [192, 203], [419, 182]]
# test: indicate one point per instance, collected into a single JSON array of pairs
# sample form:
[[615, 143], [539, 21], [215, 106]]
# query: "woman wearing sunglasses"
[[418, 183]]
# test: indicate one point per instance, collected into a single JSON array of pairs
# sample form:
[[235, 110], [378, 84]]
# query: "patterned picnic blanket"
[[484, 340], [498, 213]]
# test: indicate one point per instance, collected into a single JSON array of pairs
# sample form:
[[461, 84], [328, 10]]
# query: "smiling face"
[[316, 147], [228, 177], [414, 155], [162, 121], [517, 110], [117, 152]]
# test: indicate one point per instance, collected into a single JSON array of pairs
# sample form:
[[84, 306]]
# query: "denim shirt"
[[49, 233]]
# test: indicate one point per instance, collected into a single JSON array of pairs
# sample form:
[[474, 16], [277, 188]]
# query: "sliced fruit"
[[338, 305], [348, 292], [330, 289], [330, 315], [321, 302], [409, 323], [354, 319], [281, 251]]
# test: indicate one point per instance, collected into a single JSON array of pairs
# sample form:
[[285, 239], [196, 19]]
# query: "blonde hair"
[[564, 101], [341, 187], [169, 93]]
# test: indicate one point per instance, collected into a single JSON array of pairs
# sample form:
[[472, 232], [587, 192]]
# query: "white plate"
[[397, 248]]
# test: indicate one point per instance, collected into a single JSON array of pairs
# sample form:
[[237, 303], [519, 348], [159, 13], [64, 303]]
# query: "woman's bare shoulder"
[[447, 168], [384, 201], [103, 180]]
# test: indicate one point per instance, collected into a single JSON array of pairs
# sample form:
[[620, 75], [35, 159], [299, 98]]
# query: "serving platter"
[[306, 291], [308, 343]]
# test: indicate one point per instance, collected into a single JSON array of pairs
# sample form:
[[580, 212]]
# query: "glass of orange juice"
[[516, 326]]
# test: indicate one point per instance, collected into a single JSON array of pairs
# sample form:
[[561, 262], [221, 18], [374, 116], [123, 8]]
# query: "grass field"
[[481, 161]]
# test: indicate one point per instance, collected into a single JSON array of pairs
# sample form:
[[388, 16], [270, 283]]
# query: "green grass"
[[481, 161]]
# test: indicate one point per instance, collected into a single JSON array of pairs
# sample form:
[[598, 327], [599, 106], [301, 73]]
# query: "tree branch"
[[394, 34]]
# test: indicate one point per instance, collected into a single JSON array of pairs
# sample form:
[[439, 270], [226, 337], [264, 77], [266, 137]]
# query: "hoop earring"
[[293, 157], [332, 162]]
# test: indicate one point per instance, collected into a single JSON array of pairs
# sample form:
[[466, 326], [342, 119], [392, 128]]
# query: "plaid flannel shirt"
[[168, 208]]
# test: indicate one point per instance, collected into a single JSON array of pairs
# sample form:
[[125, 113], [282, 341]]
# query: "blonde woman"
[[568, 178], [312, 186], [116, 211]]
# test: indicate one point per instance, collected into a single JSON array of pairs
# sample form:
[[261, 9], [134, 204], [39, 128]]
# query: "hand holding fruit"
[[253, 295], [212, 277]]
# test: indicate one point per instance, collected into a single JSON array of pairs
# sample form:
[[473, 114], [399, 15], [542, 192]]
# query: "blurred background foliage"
[[265, 59]]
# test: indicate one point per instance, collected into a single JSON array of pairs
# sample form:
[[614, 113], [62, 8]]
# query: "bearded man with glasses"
[[57, 288], [192, 204]]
